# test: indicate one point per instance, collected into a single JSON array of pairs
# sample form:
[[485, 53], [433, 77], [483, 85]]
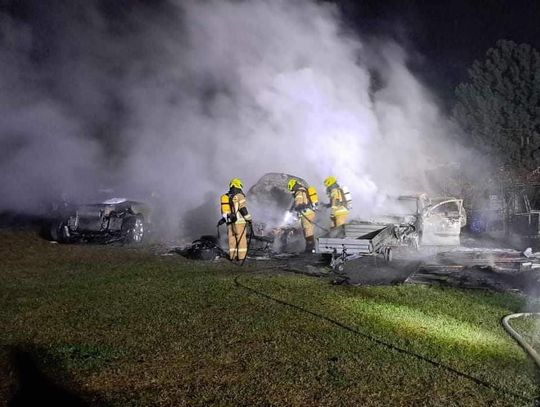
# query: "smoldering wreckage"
[[421, 243]]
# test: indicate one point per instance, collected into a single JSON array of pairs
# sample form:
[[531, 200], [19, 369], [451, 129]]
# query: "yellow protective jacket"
[[337, 201], [301, 201], [239, 207]]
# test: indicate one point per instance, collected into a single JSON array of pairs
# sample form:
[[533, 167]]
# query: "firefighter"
[[303, 206], [338, 203], [235, 213]]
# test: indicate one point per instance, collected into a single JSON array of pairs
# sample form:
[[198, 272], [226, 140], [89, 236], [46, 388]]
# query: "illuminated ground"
[[123, 326]]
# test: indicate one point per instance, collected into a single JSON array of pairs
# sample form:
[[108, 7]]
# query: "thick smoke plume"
[[178, 97]]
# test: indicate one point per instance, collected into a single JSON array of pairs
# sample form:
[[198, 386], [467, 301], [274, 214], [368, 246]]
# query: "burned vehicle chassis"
[[108, 222]]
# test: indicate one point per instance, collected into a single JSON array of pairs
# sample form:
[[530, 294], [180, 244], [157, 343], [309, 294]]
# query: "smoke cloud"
[[177, 97]]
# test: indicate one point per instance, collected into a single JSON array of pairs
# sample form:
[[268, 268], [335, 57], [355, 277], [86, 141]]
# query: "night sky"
[[445, 37]]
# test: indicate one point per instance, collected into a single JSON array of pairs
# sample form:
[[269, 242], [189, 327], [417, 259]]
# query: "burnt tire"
[[57, 232], [133, 230], [53, 232]]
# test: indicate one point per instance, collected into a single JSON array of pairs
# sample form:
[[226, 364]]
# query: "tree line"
[[498, 108]]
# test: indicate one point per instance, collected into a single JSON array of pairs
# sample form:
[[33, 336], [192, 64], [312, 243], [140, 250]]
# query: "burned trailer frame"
[[360, 239], [364, 238]]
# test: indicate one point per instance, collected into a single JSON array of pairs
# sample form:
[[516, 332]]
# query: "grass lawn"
[[121, 326]]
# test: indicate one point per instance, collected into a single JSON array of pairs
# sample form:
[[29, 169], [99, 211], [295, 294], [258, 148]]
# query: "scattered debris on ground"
[[496, 269], [467, 267]]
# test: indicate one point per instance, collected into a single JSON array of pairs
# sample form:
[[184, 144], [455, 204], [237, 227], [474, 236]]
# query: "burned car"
[[114, 220], [437, 221]]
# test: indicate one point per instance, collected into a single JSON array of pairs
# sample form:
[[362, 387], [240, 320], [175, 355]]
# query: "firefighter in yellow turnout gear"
[[304, 205], [338, 203], [235, 213]]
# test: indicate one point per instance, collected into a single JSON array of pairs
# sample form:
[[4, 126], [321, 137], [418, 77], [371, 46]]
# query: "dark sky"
[[449, 35]]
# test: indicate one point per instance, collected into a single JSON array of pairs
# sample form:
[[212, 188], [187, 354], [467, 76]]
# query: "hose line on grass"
[[519, 339], [387, 345]]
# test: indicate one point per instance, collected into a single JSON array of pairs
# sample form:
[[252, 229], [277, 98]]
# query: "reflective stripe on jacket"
[[238, 202]]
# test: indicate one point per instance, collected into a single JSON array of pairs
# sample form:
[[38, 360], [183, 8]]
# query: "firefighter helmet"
[[236, 182], [292, 182], [329, 181]]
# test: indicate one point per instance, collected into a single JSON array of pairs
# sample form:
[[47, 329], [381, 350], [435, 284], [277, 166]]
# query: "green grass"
[[128, 327]]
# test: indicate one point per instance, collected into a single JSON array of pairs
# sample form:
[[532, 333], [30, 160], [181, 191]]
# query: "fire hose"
[[519, 339]]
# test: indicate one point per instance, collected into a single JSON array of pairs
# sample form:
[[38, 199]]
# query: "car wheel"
[[133, 230], [54, 231], [57, 232]]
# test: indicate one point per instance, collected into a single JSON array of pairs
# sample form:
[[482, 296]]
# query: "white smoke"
[[181, 98]]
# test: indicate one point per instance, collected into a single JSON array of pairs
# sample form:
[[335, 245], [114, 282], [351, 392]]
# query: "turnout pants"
[[237, 241], [306, 219], [339, 218]]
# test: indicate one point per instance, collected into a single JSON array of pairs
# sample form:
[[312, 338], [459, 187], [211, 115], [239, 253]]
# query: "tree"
[[499, 106]]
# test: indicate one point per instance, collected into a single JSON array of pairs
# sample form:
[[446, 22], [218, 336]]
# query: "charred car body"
[[437, 221], [114, 220]]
